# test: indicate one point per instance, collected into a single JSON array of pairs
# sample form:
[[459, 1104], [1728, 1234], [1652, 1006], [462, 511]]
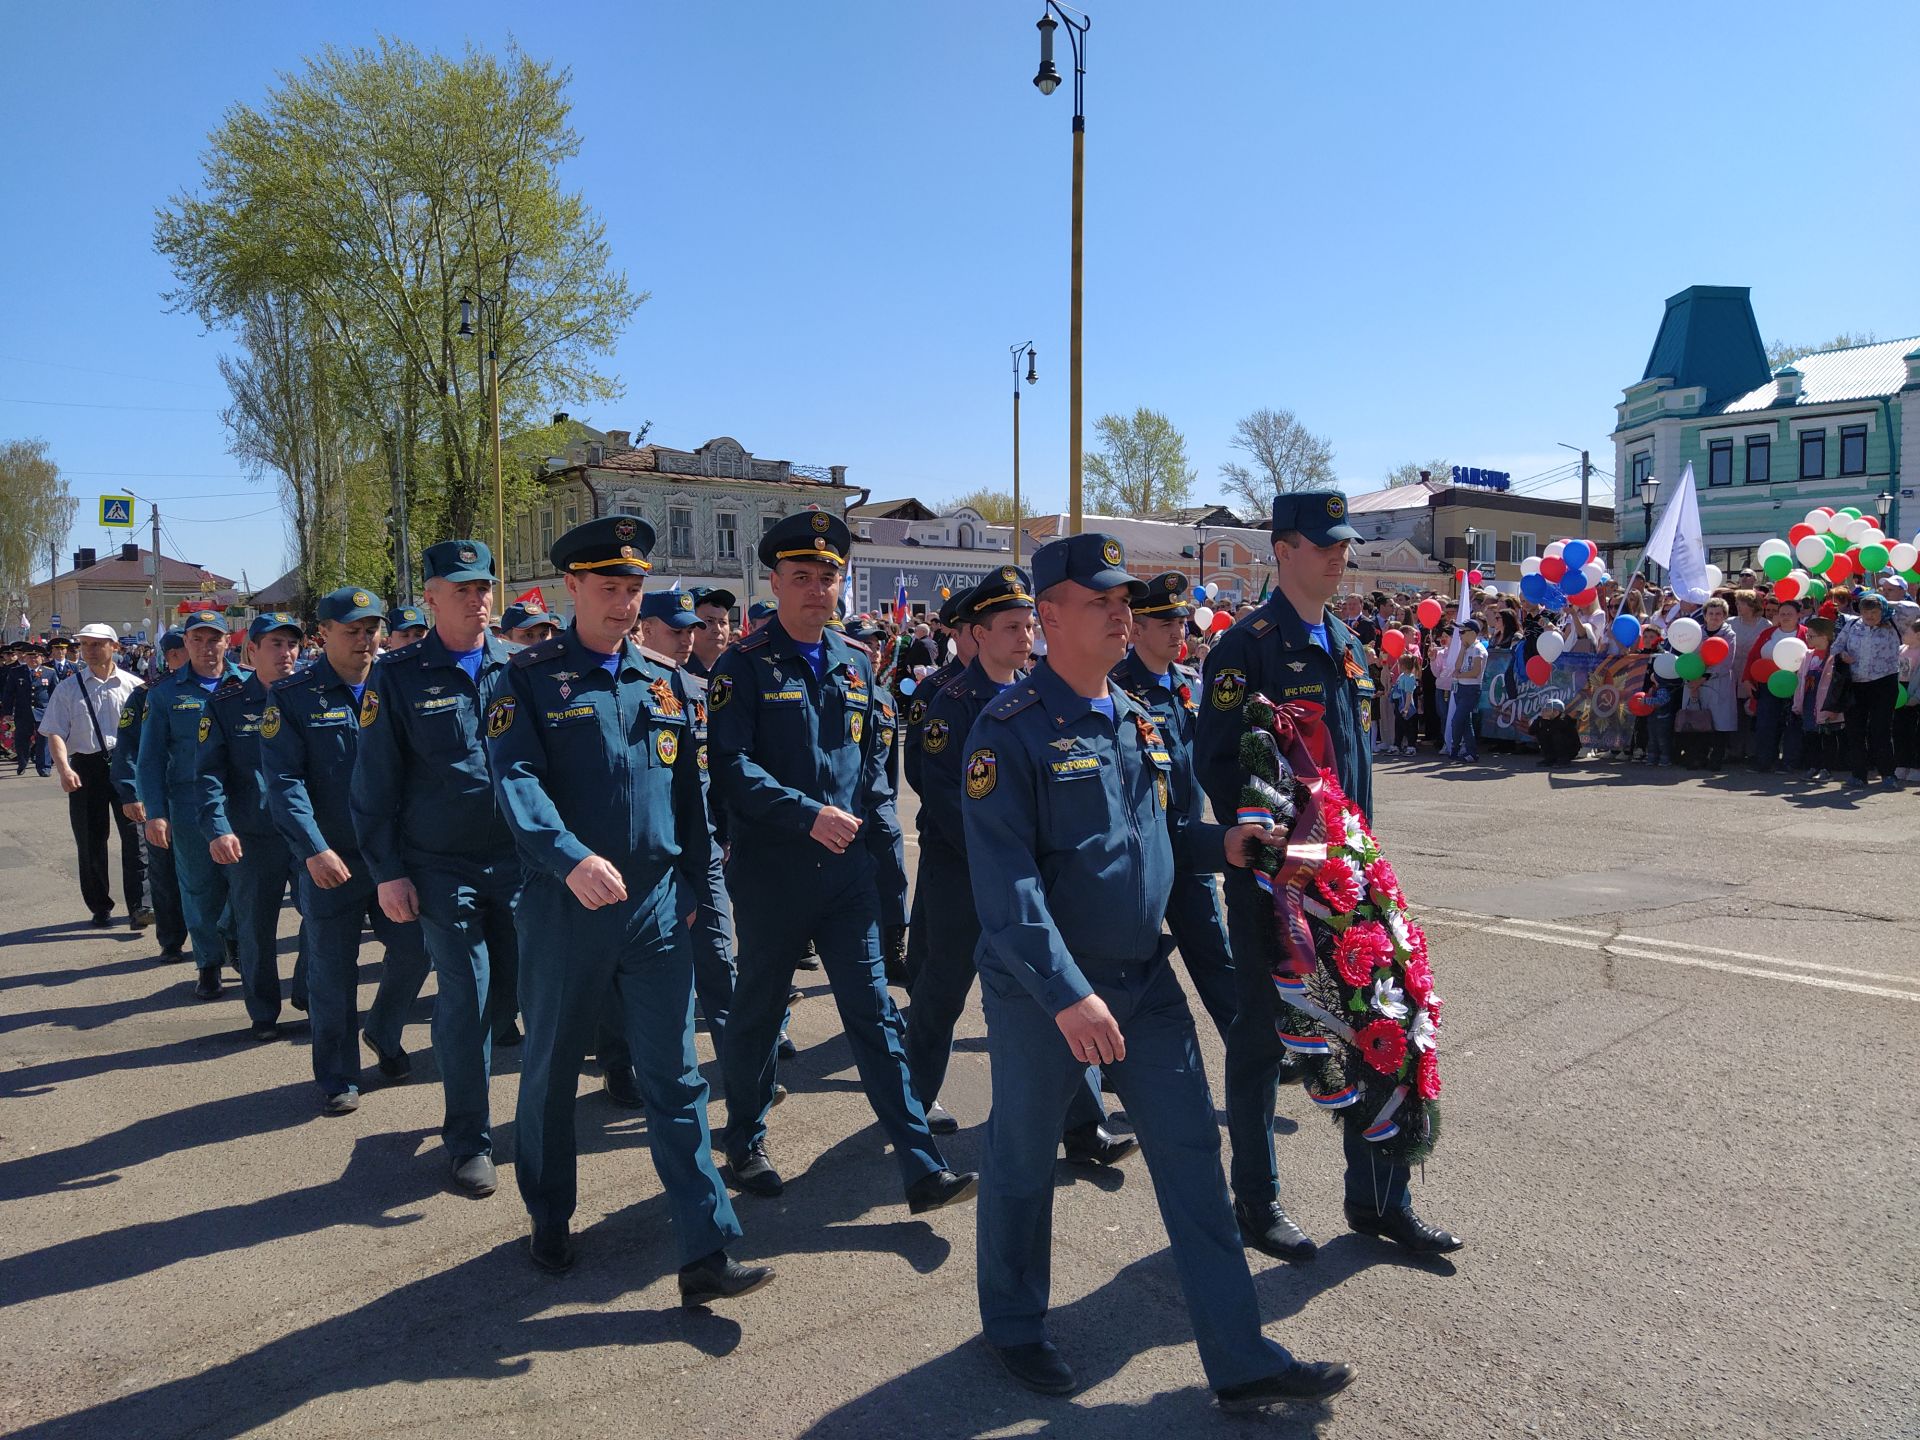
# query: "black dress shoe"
[[170, 954], [810, 960], [1266, 1228], [103, 920], [506, 1036], [940, 1189], [785, 1049], [940, 1122], [1037, 1366], [475, 1175], [623, 1088], [1303, 1380], [754, 1173], [265, 1030], [550, 1248], [207, 987], [140, 919], [396, 1067], [718, 1278], [780, 1092], [1094, 1144], [1405, 1229], [1292, 1071]]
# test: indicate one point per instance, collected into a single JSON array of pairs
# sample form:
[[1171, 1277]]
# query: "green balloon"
[[1912, 577], [1873, 557], [1782, 684], [1900, 697], [1836, 542], [1819, 566], [1778, 567], [1690, 667], [1816, 590], [1852, 512]]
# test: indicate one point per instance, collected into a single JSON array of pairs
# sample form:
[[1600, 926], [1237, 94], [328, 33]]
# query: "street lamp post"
[[1649, 488], [490, 322], [1032, 376], [1047, 80]]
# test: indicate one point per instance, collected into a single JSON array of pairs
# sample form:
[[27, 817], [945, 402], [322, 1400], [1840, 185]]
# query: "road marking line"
[[1680, 945], [1691, 961]]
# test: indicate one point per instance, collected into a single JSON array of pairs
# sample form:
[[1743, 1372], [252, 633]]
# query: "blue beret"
[[347, 604], [1094, 560], [458, 561], [809, 535], [611, 545], [673, 606], [1318, 515]]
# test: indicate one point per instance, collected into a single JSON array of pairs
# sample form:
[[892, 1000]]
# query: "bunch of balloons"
[[1206, 619], [1567, 572], [1832, 547], [1696, 652]]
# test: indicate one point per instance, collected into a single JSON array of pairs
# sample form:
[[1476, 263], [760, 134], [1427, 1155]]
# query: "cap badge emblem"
[[468, 554], [820, 541], [1010, 575], [626, 552], [360, 597], [1176, 583], [686, 601], [623, 529], [821, 521], [1110, 552], [1336, 507]]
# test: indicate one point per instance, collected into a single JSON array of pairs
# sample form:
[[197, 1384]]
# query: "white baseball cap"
[[96, 631]]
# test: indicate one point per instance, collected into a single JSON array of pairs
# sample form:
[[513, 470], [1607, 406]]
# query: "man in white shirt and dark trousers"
[[80, 725]]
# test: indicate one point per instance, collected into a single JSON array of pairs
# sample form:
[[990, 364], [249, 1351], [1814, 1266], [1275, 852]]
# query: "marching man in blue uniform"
[[163, 884], [310, 737], [434, 840], [405, 624], [1292, 648], [1068, 784], [597, 773], [233, 813], [169, 741], [798, 743], [1152, 674]]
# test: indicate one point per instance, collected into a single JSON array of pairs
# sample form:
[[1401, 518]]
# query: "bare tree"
[[1785, 352], [1409, 473], [1285, 455], [1141, 466]]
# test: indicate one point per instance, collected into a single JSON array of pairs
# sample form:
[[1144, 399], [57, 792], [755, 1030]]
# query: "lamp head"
[[466, 316], [1048, 79], [1033, 375], [1883, 502]]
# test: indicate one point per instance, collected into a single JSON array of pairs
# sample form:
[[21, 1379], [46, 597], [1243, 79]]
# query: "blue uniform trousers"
[[466, 918], [833, 904], [334, 919], [257, 883], [711, 939], [163, 885], [1164, 1087], [1254, 1053], [917, 938], [945, 978], [1193, 919], [572, 960], [203, 891]]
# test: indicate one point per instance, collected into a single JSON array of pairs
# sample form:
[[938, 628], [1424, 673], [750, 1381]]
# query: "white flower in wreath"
[[1356, 837], [1389, 999], [1397, 927], [1424, 1033]]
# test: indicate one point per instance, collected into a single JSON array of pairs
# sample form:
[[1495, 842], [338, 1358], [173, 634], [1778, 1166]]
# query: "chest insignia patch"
[[206, 727], [666, 744], [936, 737], [500, 717], [1296, 666], [1074, 766], [917, 712], [720, 691], [856, 725], [1160, 788], [126, 719], [369, 707], [983, 773], [270, 723], [1065, 743], [1229, 689]]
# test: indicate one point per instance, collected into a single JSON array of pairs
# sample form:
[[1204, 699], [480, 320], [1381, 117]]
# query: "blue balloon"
[[1577, 554], [1626, 630], [1535, 588]]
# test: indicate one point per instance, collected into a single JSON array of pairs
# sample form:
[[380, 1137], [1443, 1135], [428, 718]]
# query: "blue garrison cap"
[[761, 609], [809, 535], [1007, 588], [458, 561], [173, 640], [406, 617], [1167, 598], [713, 595], [347, 604], [522, 614], [273, 620], [673, 606], [1319, 515], [611, 545], [1094, 560], [206, 620]]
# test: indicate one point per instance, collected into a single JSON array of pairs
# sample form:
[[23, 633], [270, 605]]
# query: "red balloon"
[[1554, 568], [1871, 521], [1539, 671], [1429, 612], [1474, 577], [1799, 533], [1785, 588], [1221, 621], [1843, 566], [1584, 598], [1761, 670], [1639, 704], [1714, 650], [1393, 643]]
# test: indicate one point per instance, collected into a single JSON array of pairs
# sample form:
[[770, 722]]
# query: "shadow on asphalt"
[[40, 934], [52, 979]]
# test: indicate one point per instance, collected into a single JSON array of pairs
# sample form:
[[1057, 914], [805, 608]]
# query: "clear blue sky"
[[1428, 230]]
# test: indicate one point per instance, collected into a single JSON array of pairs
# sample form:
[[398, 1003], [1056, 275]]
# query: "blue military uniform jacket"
[[948, 720], [786, 744], [170, 744], [311, 737], [126, 745], [924, 694], [1175, 710], [422, 783], [587, 762], [228, 766], [1068, 841], [1271, 653]]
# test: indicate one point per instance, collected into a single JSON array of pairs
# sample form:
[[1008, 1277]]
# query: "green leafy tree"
[[1284, 456], [1140, 466], [39, 514], [1409, 473], [1784, 352], [367, 196], [993, 506]]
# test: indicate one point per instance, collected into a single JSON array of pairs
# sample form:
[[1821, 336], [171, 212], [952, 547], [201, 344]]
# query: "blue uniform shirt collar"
[[434, 651], [835, 650], [1293, 629], [591, 660], [1134, 669]]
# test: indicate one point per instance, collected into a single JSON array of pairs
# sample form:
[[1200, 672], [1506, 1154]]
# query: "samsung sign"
[[1486, 479]]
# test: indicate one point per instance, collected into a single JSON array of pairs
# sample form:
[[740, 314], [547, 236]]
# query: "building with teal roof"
[[1836, 427]]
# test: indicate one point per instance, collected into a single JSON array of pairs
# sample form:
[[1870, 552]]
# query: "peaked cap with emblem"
[[1094, 560], [458, 561], [272, 620], [349, 603], [809, 535], [174, 639], [1007, 588], [406, 617], [760, 610], [952, 607], [713, 595], [201, 620], [673, 606], [1168, 597], [1319, 515], [611, 545]]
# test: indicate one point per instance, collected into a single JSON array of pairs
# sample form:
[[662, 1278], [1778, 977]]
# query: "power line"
[[90, 370], [94, 405], [220, 519], [155, 474]]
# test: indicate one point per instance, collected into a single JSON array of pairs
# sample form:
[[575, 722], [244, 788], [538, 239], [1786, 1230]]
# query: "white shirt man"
[[82, 744]]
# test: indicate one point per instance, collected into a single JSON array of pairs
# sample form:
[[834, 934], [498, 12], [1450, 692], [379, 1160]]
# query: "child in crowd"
[[1906, 720], [1557, 733], [1666, 697], [1406, 703], [1819, 727]]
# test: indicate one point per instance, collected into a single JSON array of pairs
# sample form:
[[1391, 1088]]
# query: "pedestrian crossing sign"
[[117, 510]]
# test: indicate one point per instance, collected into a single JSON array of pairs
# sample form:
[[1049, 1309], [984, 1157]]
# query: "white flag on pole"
[[1676, 544]]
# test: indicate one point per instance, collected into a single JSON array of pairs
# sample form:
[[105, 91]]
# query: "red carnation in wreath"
[[1419, 979], [1416, 942], [1383, 1045], [1339, 883], [1385, 885], [1426, 1076], [1361, 950]]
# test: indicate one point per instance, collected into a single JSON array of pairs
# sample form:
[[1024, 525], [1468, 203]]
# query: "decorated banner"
[[1593, 688]]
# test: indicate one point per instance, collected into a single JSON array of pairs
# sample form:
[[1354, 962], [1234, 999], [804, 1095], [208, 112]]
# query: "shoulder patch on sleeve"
[[1229, 688], [500, 716], [983, 773], [206, 727], [719, 691]]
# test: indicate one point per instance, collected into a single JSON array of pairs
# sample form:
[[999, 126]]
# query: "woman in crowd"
[[1704, 743], [1870, 645]]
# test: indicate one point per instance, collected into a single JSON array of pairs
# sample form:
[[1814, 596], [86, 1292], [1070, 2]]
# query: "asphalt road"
[[1680, 1140]]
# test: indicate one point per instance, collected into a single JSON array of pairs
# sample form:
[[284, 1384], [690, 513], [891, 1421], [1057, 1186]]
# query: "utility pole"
[[1586, 473], [159, 594]]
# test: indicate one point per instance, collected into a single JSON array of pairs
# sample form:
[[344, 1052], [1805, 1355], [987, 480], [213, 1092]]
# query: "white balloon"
[[1770, 548], [1716, 577], [1860, 532], [1666, 666], [1203, 617], [1790, 653], [1551, 645], [1903, 556], [1594, 571], [1685, 636], [1810, 550], [1555, 550], [1530, 566], [1818, 521]]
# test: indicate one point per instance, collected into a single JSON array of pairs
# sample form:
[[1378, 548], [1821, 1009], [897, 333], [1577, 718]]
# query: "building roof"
[[1153, 537], [1209, 515], [281, 593], [904, 509], [1853, 372], [1395, 497], [115, 571], [1709, 338], [720, 459]]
